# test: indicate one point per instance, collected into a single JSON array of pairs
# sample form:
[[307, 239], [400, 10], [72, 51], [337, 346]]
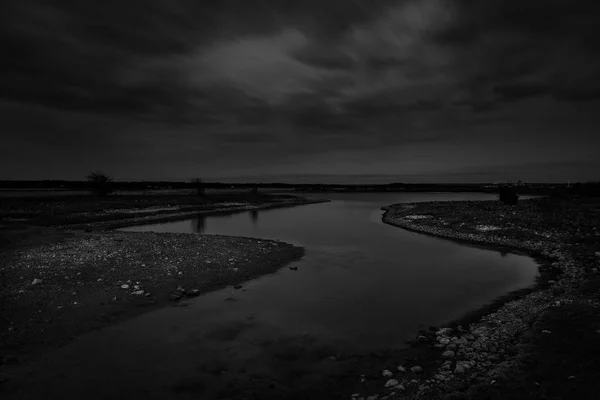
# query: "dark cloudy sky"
[[308, 90]]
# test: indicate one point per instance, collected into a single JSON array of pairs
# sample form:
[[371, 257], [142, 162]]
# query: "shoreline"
[[477, 352], [169, 217], [62, 281]]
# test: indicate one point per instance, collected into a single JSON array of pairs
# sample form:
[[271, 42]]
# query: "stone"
[[36, 281], [448, 354], [459, 369], [386, 373], [391, 383], [443, 332], [443, 340], [416, 369], [400, 388], [401, 368], [125, 286], [440, 377], [138, 292]]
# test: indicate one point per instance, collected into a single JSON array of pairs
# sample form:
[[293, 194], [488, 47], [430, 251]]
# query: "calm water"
[[362, 286]]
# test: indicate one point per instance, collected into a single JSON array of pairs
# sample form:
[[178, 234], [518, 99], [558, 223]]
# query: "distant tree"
[[199, 186], [100, 183], [508, 195]]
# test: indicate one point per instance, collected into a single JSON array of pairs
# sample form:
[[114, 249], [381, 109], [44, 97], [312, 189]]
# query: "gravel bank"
[[61, 280], [485, 353], [54, 292]]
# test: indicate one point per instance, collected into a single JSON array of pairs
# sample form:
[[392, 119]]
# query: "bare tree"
[[199, 186], [100, 183]]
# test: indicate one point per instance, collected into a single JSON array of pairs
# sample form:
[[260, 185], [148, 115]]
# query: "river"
[[363, 286]]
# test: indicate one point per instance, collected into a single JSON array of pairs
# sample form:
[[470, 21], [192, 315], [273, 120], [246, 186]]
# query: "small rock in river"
[[36, 281], [416, 369], [125, 286], [386, 373], [402, 369], [138, 292], [448, 353]]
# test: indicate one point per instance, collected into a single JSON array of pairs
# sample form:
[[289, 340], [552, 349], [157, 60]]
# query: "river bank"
[[65, 272], [540, 343]]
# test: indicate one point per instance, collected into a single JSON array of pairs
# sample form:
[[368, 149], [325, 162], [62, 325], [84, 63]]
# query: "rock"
[[459, 369], [444, 332], [448, 354], [416, 369], [386, 373], [400, 387], [175, 297], [391, 383], [402, 369], [180, 289], [125, 286], [443, 340], [440, 377], [36, 281], [138, 292], [571, 377], [546, 331], [375, 397], [421, 338]]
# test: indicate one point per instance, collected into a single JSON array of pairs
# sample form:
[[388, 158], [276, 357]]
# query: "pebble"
[[391, 383], [416, 369], [448, 353], [386, 373], [36, 281], [125, 286], [402, 369]]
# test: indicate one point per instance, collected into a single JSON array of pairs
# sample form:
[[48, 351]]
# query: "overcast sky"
[[301, 91]]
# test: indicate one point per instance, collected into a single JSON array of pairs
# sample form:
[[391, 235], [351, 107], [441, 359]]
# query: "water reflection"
[[254, 217], [198, 224]]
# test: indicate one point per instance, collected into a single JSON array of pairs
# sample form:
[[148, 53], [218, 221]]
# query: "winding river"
[[363, 286]]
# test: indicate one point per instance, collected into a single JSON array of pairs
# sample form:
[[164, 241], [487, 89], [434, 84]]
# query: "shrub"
[[100, 183], [508, 195]]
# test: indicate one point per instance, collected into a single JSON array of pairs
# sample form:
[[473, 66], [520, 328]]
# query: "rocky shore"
[[61, 280], [541, 343]]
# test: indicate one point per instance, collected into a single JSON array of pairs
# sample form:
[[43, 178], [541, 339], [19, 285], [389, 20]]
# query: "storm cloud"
[[232, 88]]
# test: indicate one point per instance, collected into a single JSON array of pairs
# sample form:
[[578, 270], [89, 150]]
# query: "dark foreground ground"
[[63, 273]]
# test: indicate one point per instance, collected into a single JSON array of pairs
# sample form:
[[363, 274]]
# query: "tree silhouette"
[[100, 183]]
